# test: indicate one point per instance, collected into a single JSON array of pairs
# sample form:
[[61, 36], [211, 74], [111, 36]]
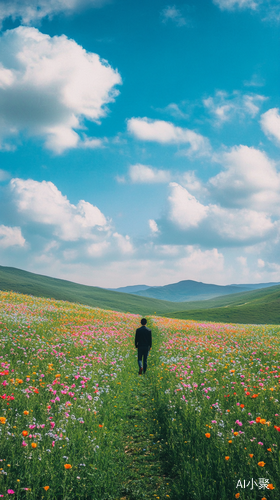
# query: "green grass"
[[255, 307]]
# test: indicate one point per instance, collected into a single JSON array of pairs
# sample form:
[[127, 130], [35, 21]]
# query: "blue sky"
[[140, 140]]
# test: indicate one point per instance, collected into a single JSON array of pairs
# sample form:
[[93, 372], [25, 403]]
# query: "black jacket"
[[143, 337]]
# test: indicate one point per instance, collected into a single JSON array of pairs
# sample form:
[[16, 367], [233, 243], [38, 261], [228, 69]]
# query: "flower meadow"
[[78, 422]]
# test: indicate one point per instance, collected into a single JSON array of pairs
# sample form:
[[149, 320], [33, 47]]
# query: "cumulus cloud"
[[49, 86], [124, 243], [173, 14], [190, 220], [249, 179], [224, 106], [43, 203], [270, 123], [185, 209], [11, 236], [164, 132], [147, 175], [29, 11]]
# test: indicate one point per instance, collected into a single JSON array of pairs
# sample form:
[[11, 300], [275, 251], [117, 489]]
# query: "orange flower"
[[237, 495], [263, 421], [34, 445], [230, 441], [261, 464], [100, 425], [3, 420], [270, 486], [235, 433], [46, 488], [227, 458], [242, 406], [26, 412], [269, 449], [24, 433], [57, 375], [251, 455], [255, 396], [258, 419], [207, 434], [67, 466]]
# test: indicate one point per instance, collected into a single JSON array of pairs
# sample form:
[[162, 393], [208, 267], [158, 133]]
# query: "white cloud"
[[172, 13], [124, 243], [249, 179], [43, 203], [185, 209], [143, 174], [261, 263], [49, 85], [29, 11], [11, 236], [269, 9], [164, 132], [230, 225], [153, 226], [237, 4], [98, 249], [224, 106], [270, 123]]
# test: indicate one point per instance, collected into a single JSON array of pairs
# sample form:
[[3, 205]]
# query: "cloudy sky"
[[139, 140]]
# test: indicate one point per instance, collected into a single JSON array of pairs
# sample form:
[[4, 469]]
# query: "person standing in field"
[[143, 341]]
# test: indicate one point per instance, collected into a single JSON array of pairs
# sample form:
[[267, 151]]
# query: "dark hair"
[[143, 321]]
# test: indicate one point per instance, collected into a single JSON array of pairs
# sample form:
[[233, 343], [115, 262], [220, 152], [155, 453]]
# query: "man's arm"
[[136, 339]]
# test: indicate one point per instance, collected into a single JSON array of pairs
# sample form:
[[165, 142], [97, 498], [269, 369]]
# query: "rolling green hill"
[[16, 280], [256, 307]]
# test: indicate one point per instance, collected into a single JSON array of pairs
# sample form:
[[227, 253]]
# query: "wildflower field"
[[78, 422]]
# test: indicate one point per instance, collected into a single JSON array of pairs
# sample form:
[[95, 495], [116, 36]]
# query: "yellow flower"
[[262, 421]]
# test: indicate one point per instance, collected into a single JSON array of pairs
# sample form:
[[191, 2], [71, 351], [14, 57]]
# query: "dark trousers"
[[143, 351]]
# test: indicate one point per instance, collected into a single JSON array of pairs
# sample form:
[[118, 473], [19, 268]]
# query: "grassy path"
[[140, 452]]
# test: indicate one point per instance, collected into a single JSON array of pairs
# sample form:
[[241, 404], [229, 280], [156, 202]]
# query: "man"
[[143, 341]]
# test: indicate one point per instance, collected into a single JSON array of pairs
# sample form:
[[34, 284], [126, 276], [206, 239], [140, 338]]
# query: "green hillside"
[[257, 307], [16, 280]]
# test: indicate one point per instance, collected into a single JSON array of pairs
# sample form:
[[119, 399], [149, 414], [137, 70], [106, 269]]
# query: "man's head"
[[143, 321]]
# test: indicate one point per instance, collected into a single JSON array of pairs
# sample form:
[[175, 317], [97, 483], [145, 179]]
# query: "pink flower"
[[53, 443], [10, 492], [52, 425], [23, 443], [32, 426], [260, 443]]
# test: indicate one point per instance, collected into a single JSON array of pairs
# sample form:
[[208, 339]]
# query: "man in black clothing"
[[143, 341]]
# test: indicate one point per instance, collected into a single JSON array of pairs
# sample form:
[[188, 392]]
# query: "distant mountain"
[[189, 290], [130, 289]]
